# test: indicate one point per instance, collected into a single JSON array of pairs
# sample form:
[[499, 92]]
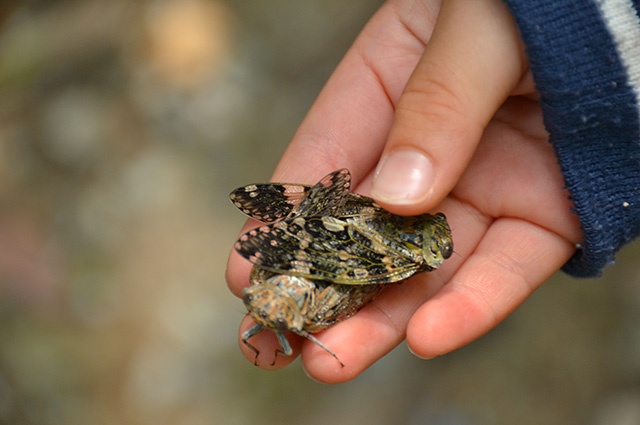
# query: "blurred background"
[[123, 127]]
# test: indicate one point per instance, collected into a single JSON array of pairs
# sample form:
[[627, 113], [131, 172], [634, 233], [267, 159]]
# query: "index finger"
[[348, 124]]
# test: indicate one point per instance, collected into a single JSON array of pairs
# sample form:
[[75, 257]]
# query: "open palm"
[[497, 179]]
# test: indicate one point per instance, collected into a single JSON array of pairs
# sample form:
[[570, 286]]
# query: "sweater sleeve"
[[585, 61]]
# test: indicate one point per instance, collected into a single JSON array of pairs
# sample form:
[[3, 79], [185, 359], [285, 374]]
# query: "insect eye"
[[281, 323], [447, 249]]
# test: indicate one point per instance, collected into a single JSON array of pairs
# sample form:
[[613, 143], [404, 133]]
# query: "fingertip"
[[326, 370], [419, 355], [435, 330], [453, 318], [266, 342]]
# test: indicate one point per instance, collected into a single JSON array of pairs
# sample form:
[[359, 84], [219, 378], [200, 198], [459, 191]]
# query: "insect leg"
[[314, 339], [284, 344], [249, 333]]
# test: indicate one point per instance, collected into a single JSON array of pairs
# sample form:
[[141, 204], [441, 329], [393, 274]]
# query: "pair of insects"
[[325, 252]]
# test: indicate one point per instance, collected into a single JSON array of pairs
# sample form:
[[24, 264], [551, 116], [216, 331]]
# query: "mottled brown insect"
[[325, 252]]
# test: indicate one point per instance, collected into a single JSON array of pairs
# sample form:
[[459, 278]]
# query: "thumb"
[[472, 63]]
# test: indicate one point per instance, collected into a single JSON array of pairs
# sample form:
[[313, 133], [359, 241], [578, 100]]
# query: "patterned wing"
[[360, 205], [326, 197], [270, 202], [331, 249]]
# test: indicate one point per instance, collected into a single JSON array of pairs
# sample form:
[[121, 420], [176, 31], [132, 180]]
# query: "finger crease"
[[408, 28], [376, 75]]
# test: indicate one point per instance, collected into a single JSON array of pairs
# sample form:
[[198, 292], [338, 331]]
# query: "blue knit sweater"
[[585, 60]]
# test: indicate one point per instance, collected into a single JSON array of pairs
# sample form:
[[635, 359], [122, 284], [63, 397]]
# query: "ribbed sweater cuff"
[[585, 60]]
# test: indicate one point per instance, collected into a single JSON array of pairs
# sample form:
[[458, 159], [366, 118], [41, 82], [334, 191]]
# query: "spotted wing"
[[270, 202], [326, 197], [331, 249]]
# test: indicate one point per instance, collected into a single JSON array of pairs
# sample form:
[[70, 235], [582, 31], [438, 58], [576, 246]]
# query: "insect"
[[325, 252]]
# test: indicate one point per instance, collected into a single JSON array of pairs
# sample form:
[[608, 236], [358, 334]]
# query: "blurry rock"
[[78, 125], [188, 40]]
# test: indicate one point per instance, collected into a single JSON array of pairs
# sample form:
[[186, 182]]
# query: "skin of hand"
[[442, 93]]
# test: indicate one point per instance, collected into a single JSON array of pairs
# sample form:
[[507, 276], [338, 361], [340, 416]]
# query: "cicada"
[[325, 252]]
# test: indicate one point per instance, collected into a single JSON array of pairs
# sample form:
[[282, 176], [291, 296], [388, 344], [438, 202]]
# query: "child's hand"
[[450, 116]]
